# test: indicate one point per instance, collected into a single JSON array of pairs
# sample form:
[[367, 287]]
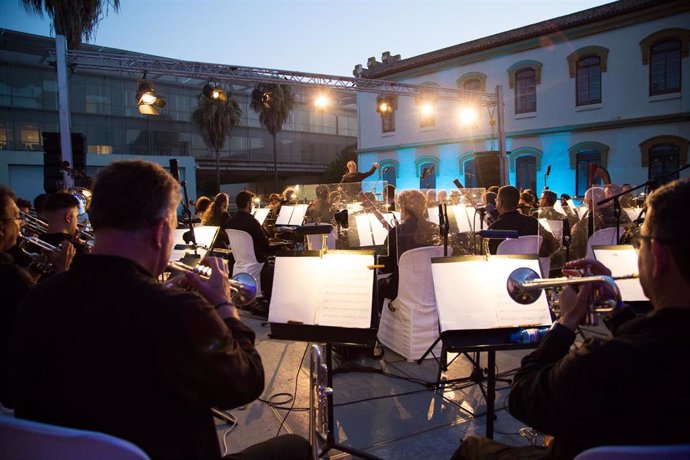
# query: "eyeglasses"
[[16, 219], [637, 240]]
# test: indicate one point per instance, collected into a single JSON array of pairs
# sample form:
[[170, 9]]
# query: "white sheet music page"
[[346, 291], [622, 260], [433, 215], [363, 224], [633, 213], [284, 215], [462, 219], [471, 294], [298, 214], [378, 230], [295, 297], [260, 214]]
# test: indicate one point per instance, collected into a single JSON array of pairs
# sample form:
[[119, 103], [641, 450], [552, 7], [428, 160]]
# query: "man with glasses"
[[631, 389]]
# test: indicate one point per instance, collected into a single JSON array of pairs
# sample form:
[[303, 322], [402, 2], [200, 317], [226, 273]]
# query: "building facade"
[[103, 108], [607, 86]]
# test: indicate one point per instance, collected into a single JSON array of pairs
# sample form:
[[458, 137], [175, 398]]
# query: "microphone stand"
[[186, 212], [443, 227]]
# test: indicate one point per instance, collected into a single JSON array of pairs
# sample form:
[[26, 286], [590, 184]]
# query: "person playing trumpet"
[[594, 395], [61, 213], [105, 347]]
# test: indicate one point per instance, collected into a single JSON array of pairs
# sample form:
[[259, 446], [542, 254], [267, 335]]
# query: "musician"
[[489, 200], [526, 203], [200, 207], [105, 347], [355, 178], [320, 210], [61, 213], [217, 215], [15, 282], [389, 197], [511, 219], [603, 217], [547, 200], [590, 396], [413, 232]]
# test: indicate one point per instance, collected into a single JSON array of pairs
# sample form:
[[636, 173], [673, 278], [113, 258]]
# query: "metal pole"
[[63, 106], [505, 178]]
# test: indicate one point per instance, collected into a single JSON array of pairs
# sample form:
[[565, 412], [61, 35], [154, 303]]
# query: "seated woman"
[[217, 214], [413, 232], [319, 210]]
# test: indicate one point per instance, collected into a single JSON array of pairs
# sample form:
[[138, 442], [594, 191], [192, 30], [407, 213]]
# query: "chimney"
[[357, 72]]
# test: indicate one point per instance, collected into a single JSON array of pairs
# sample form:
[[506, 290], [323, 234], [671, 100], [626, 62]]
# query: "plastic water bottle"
[[531, 335]]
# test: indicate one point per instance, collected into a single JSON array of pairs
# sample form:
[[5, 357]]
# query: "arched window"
[[664, 67], [526, 172], [525, 91], [389, 174], [588, 80], [583, 159], [663, 159], [469, 173]]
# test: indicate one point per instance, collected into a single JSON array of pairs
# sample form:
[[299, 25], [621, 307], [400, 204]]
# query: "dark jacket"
[[525, 225], [354, 181], [105, 347], [595, 395], [246, 222]]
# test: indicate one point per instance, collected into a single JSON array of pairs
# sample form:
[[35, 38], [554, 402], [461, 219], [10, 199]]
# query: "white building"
[[608, 85]]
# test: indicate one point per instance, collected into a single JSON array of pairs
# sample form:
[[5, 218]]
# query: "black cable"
[[295, 392]]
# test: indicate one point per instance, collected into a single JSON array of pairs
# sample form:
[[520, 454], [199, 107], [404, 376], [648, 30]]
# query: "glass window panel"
[[525, 91]]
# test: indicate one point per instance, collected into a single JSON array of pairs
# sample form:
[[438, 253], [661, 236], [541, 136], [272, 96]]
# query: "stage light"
[[427, 109], [215, 93], [468, 115], [321, 102], [384, 107], [147, 99]]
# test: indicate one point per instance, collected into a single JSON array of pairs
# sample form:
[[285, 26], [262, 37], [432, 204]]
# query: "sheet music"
[[391, 217], [461, 219], [260, 214], [471, 294], [433, 215], [621, 260], [333, 290], [298, 214], [204, 235], [284, 215], [378, 230], [633, 213], [346, 291], [363, 223], [559, 208], [555, 227]]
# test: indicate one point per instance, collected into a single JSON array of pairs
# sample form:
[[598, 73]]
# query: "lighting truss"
[[220, 72]]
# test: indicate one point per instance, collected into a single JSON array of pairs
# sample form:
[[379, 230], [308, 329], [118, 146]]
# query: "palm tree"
[[273, 102], [215, 119], [75, 19]]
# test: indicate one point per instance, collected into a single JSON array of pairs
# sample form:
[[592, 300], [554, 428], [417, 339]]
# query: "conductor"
[[355, 178]]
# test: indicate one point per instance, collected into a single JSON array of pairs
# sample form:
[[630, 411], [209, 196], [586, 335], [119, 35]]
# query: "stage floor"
[[384, 409]]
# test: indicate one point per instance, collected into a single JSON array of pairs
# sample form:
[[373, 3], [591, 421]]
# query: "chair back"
[[242, 247], [409, 324], [603, 237], [528, 244], [661, 452], [24, 439]]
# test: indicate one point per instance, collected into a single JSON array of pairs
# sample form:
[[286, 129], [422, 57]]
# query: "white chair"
[[661, 452], [24, 439], [528, 244], [242, 247], [603, 237], [409, 323]]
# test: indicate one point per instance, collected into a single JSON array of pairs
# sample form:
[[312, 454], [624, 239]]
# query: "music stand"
[[471, 321], [296, 315]]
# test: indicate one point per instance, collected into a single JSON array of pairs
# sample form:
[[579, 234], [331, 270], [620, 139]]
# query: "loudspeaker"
[[487, 166], [52, 159]]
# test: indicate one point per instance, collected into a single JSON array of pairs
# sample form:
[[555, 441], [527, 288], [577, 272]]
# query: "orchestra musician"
[[320, 210], [589, 396], [413, 232], [200, 207], [61, 213], [217, 215], [104, 347]]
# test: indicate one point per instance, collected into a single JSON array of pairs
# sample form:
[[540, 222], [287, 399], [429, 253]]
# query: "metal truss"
[[152, 66]]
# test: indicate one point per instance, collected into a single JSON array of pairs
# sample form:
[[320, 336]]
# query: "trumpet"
[[39, 262], [524, 287], [242, 285], [319, 392], [33, 223]]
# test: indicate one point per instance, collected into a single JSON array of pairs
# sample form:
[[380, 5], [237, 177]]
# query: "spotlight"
[[261, 97], [427, 109], [215, 93], [468, 115], [386, 104], [321, 101], [149, 102]]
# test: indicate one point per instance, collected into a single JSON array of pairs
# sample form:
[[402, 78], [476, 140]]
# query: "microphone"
[[457, 183], [548, 170], [441, 220]]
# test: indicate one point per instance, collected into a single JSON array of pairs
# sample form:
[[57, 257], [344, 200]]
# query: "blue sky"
[[318, 36]]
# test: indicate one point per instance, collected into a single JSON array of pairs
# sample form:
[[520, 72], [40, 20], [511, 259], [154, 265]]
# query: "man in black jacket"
[[243, 220], [595, 395], [106, 347], [354, 178]]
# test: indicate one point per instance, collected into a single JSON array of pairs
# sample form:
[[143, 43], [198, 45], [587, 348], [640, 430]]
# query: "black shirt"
[[105, 347], [513, 220], [246, 222]]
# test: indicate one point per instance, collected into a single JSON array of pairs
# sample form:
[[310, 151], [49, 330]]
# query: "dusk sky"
[[318, 36]]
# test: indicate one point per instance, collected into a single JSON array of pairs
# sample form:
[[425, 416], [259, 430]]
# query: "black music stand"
[[490, 339], [329, 336]]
